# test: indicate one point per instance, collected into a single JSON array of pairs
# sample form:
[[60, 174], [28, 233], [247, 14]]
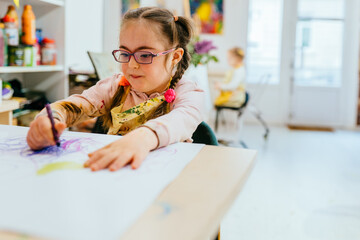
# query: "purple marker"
[[55, 133]]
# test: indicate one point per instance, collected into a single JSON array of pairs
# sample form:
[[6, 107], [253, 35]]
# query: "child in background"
[[149, 102], [232, 90]]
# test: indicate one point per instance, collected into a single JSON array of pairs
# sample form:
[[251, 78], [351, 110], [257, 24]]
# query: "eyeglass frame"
[[133, 54]]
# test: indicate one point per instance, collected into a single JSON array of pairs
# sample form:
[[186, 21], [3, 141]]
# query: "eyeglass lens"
[[140, 57]]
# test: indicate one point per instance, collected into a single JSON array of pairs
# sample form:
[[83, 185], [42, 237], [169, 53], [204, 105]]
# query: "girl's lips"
[[135, 76]]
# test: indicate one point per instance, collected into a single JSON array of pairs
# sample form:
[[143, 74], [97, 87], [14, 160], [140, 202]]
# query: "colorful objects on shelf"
[[11, 12], [17, 3], [7, 91], [28, 26], [48, 52]]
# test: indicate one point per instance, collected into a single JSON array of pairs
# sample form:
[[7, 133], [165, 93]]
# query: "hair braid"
[[177, 33]]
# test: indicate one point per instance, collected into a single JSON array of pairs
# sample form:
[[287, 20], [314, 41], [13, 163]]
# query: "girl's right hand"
[[40, 134]]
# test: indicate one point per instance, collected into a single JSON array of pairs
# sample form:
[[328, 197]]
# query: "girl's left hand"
[[131, 148]]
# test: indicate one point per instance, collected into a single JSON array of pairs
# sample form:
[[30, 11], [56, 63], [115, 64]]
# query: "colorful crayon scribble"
[[47, 159], [48, 168]]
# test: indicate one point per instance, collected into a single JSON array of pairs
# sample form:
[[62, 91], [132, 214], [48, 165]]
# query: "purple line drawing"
[[17, 146]]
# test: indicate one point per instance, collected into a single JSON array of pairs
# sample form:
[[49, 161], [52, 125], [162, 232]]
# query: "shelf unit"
[[50, 17], [57, 68], [38, 2]]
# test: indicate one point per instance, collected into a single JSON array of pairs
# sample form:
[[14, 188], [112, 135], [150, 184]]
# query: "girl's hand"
[[40, 134], [131, 148]]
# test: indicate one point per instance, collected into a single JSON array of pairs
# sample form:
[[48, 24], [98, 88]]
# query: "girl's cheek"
[[123, 68]]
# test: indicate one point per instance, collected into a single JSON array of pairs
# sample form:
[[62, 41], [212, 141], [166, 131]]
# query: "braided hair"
[[177, 31]]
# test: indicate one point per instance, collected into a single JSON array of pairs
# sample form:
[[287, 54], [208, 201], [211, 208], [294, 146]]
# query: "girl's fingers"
[[42, 131], [93, 157], [38, 136], [138, 159], [48, 135], [120, 162], [103, 162], [30, 141], [60, 127]]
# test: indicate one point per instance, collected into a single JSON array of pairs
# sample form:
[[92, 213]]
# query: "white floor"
[[305, 185]]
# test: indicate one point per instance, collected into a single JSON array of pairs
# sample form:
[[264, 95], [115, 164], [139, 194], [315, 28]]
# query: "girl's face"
[[233, 60], [148, 78]]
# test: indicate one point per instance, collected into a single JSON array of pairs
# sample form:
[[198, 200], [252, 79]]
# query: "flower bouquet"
[[199, 51]]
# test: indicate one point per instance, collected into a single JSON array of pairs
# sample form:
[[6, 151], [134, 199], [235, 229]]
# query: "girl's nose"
[[133, 63]]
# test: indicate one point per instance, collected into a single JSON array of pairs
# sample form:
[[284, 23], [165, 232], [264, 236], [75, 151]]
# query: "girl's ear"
[[177, 56]]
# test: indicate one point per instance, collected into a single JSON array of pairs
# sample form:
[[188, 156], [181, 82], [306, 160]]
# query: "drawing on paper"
[[48, 159]]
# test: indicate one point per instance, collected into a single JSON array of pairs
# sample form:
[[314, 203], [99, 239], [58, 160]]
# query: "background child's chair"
[[249, 105], [255, 98], [240, 109]]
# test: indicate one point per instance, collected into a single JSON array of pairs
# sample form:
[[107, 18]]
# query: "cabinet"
[[50, 17]]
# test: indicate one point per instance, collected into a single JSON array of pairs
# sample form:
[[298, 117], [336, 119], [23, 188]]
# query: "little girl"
[[149, 102], [232, 90]]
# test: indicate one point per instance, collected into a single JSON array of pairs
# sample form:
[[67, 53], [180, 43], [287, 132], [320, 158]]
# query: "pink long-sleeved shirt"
[[178, 125]]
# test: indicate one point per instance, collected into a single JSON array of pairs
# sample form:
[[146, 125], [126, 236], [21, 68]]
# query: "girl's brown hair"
[[177, 32]]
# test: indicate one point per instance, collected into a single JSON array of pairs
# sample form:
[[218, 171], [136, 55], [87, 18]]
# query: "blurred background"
[[302, 79]]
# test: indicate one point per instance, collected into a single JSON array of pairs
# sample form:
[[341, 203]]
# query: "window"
[[264, 40], [319, 43]]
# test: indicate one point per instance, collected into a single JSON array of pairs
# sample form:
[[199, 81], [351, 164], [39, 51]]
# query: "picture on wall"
[[129, 4], [210, 13]]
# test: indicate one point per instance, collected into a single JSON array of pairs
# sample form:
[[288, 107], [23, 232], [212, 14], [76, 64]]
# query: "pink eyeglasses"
[[141, 57]]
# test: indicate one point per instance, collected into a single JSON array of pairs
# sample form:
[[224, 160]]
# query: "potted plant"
[[200, 51]]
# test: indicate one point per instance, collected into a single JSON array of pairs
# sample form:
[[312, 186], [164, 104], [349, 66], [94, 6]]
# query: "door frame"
[[349, 88]]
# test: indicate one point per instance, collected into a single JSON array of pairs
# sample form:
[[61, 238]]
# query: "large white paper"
[[48, 194]]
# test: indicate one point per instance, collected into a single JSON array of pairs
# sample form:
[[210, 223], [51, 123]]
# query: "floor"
[[305, 185]]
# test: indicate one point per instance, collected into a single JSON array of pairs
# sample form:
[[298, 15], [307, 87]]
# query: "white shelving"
[[54, 2], [50, 17], [38, 2], [57, 68]]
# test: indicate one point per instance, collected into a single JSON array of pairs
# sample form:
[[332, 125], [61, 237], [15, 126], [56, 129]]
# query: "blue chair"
[[204, 134]]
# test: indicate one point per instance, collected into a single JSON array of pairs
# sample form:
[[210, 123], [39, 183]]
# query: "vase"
[[199, 75]]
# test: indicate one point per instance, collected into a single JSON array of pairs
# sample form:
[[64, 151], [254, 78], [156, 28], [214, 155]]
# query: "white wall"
[[234, 32], [83, 31], [111, 28], [274, 104]]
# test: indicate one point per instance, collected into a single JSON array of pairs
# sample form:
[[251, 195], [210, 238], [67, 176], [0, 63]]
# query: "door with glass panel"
[[317, 65]]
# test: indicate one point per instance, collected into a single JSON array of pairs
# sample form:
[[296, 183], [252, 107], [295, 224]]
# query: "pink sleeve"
[[93, 102], [186, 114]]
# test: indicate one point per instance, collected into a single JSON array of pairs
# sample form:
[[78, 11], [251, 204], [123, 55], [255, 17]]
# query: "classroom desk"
[[193, 205], [6, 108]]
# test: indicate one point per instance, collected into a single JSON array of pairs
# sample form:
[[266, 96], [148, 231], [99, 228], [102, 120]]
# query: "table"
[[6, 108], [193, 205]]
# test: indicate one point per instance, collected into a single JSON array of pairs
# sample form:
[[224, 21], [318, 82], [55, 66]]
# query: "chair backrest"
[[247, 97], [104, 64], [204, 134]]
